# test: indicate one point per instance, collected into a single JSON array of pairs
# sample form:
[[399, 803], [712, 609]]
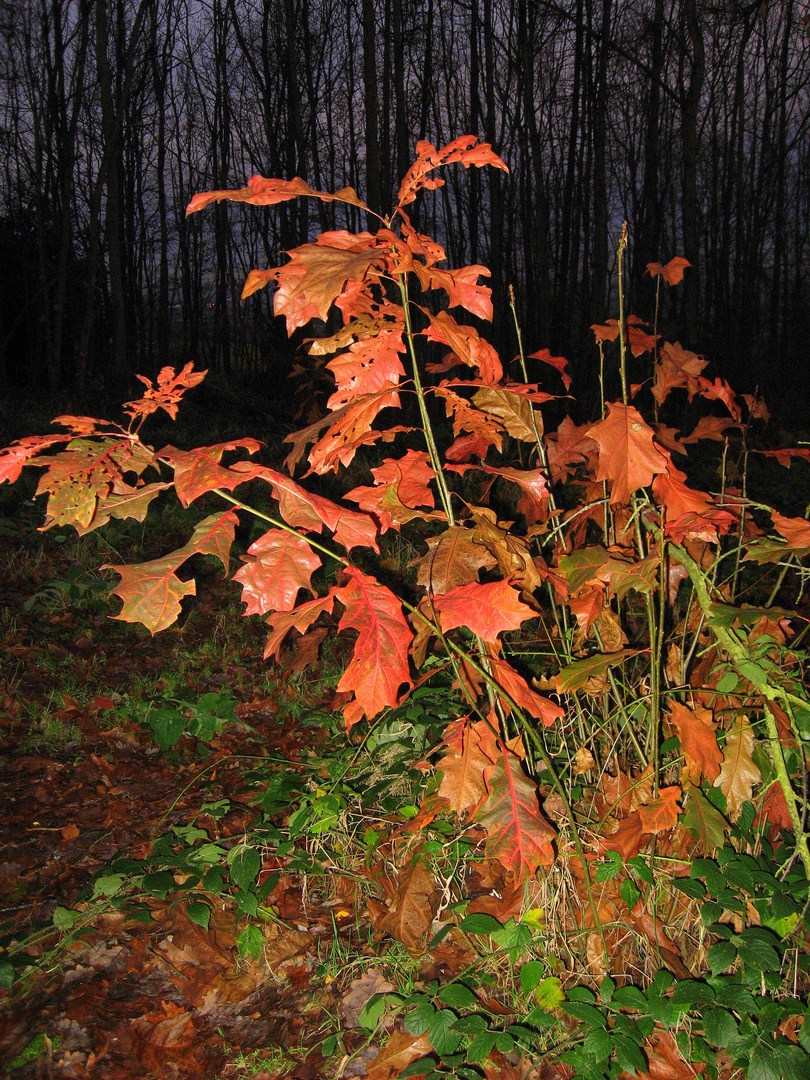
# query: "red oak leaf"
[[303, 510], [346, 431], [696, 729], [461, 287], [466, 150], [708, 427], [278, 565], [317, 274], [518, 689], [785, 457], [152, 592], [454, 558], [627, 839], [586, 605], [166, 393], [14, 457], [719, 390], [670, 491], [677, 367], [672, 273], [607, 331], [379, 666], [263, 192], [466, 343], [661, 814], [568, 447], [486, 430], [518, 834], [639, 340], [795, 530], [82, 476], [369, 366], [300, 619], [627, 454], [487, 609], [470, 750], [558, 362], [198, 471], [400, 486]]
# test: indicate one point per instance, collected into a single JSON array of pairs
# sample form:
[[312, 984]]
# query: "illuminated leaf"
[[466, 343], [278, 564], [152, 592], [487, 610], [738, 773], [695, 729], [661, 813], [628, 456], [263, 192], [518, 834], [379, 666], [672, 273]]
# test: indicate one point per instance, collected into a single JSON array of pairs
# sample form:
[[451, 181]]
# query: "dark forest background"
[[690, 119]]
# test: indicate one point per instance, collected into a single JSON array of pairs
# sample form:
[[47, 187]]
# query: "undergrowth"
[[573, 685]]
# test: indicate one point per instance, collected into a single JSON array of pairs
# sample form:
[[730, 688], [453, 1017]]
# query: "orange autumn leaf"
[[628, 456], [661, 814], [672, 272], [627, 839], [738, 773], [488, 610], [261, 191], [795, 530], [695, 729]]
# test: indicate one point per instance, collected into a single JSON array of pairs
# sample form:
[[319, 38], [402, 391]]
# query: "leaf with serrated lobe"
[[738, 773], [518, 834], [152, 592], [695, 727], [453, 558], [278, 564], [379, 666], [628, 456], [487, 610]]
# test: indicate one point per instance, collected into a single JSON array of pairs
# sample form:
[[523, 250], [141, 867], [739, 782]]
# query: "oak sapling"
[[604, 517]]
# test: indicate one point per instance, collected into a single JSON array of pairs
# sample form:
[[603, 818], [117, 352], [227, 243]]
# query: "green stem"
[[748, 667], [433, 452]]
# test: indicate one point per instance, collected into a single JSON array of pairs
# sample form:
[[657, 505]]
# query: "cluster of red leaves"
[[622, 467]]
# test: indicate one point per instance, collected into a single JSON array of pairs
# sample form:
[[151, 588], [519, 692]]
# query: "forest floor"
[[102, 979], [146, 992]]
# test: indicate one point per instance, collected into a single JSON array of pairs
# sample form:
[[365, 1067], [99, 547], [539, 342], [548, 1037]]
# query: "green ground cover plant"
[[587, 691]]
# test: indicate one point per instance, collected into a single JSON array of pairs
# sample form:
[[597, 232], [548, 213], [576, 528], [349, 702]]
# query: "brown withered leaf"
[[454, 558], [413, 899], [400, 1050], [463, 772], [512, 553], [583, 761], [738, 773]]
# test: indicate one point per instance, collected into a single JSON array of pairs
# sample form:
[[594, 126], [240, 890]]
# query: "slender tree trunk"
[[648, 237], [372, 107], [690, 209], [401, 133], [113, 216], [537, 216], [599, 277]]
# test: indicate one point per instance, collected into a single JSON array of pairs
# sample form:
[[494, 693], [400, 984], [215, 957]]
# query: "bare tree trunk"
[[691, 231], [599, 276], [372, 108]]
